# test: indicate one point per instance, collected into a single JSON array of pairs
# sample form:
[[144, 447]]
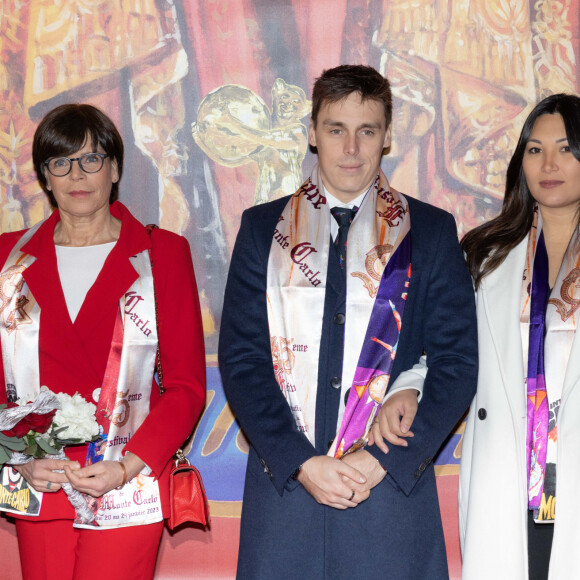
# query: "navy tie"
[[344, 217]]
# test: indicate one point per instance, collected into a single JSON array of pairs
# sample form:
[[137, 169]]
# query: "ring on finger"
[[351, 496], [48, 485]]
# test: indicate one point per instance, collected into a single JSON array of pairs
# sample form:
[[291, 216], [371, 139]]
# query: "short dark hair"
[[488, 245], [336, 84], [65, 129]]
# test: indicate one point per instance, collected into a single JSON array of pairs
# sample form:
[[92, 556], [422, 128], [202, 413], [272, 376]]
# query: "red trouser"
[[54, 550]]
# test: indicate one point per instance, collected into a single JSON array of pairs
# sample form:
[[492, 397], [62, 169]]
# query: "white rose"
[[78, 415]]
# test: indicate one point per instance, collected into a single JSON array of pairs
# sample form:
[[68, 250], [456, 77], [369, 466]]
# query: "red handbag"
[[187, 497]]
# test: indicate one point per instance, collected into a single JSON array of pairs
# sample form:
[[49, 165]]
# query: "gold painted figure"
[[234, 127]]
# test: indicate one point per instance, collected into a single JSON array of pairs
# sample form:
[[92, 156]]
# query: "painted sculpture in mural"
[[235, 126]]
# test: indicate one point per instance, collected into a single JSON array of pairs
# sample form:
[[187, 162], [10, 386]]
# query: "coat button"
[[482, 413], [266, 468], [346, 396], [336, 382], [339, 318], [423, 467]]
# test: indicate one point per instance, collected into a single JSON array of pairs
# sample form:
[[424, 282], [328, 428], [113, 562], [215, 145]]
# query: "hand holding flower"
[[30, 431]]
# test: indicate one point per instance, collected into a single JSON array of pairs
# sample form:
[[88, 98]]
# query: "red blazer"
[[73, 357]]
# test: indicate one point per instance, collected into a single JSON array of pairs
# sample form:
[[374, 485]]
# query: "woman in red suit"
[[78, 314]]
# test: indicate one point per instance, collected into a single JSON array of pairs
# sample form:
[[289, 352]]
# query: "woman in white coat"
[[521, 449]]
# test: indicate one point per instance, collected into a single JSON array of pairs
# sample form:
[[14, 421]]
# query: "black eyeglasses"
[[89, 163]]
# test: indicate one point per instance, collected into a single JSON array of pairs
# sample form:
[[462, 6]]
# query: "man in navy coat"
[[308, 512]]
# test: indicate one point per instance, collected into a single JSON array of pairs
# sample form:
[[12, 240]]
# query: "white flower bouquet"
[[42, 428]]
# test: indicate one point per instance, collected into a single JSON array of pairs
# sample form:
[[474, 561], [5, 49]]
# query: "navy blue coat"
[[397, 532]]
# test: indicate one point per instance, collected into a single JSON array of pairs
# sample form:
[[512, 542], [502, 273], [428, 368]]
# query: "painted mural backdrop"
[[212, 100]]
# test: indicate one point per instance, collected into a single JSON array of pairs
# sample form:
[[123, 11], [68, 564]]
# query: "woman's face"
[[80, 194], [552, 172]]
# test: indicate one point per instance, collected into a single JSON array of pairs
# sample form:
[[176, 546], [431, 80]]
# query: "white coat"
[[492, 480]]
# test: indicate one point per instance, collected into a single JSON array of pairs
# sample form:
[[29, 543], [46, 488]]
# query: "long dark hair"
[[488, 245]]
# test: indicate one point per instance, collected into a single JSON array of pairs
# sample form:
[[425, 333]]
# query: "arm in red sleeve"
[[173, 414]]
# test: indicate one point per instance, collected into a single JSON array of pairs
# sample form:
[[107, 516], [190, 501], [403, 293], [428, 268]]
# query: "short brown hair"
[[64, 130], [336, 84]]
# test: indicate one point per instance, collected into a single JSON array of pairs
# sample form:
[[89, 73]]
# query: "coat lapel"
[[44, 283], [572, 376], [42, 275], [117, 274], [115, 278], [499, 296]]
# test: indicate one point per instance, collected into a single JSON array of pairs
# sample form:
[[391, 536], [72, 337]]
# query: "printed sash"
[[19, 311], [296, 287], [548, 329], [124, 396], [18, 333], [124, 404]]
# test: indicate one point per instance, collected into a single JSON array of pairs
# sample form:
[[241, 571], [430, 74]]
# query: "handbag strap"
[[179, 456], [150, 228]]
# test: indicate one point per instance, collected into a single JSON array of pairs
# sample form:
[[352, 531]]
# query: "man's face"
[[350, 136]]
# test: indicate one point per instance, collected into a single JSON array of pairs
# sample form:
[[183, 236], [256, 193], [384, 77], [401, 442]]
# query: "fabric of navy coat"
[[397, 532]]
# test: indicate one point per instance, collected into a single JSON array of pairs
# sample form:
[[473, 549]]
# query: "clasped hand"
[[103, 476], [342, 483], [345, 484], [333, 482], [43, 474], [95, 480]]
